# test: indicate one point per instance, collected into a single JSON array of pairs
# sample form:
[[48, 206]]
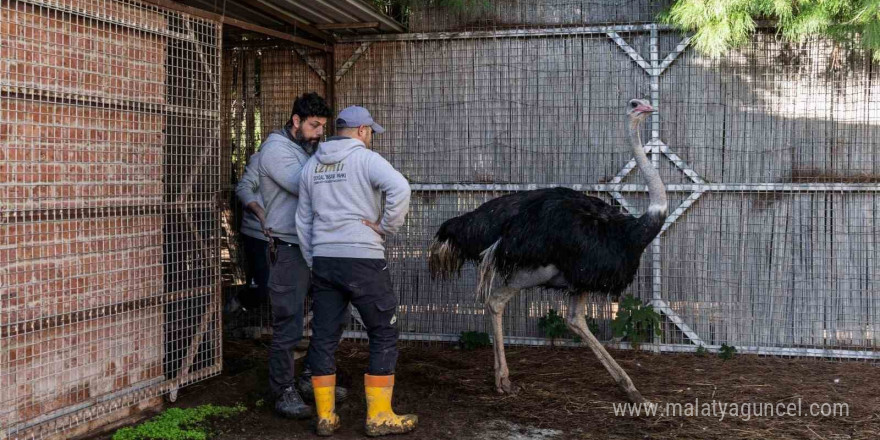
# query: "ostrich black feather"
[[595, 246]]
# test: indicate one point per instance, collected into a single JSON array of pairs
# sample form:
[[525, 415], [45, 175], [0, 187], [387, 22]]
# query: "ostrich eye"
[[633, 104]]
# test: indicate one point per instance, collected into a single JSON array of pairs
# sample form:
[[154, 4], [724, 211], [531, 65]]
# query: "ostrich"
[[556, 238]]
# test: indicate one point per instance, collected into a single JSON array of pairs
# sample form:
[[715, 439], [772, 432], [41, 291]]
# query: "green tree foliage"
[[720, 25]]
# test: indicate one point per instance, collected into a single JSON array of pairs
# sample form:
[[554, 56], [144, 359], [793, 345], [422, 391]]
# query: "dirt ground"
[[566, 394]]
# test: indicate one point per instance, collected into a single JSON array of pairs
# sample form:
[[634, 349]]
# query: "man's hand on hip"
[[374, 226]]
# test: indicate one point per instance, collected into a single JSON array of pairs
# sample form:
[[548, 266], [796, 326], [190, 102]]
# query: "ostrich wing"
[[474, 232], [588, 240]]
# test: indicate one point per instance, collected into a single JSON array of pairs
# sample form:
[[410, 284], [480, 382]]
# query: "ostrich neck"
[[656, 189]]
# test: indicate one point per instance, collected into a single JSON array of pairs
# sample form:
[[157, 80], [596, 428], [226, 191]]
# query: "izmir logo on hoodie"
[[329, 173]]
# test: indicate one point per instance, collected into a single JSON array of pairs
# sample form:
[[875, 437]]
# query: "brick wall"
[[60, 155], [64, 50], [81, 231], [63, 266], [67, 365]]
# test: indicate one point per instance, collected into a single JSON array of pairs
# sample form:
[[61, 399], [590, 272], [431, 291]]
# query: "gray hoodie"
[[281, 163], [248, 190], [342, 184]]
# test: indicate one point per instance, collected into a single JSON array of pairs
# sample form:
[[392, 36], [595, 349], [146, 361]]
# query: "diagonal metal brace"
[[679, 49], [305, 56], [352, 59], [631, 52], [663, 307], [681, 164], [631, 165], [680, 210]]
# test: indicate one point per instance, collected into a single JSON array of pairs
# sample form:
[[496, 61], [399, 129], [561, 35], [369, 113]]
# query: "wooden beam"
[[104, 426], [504, 33], [284, 16], [174, 6], [276, 34], [183, 374], [332, 26], [362, 8], [330, 87]]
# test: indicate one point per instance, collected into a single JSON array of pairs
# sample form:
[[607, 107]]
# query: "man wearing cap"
[[342, 227]]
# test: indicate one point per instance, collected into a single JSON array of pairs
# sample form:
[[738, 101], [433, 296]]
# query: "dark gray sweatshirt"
[[248, 190], [281, 164], [342, 184]]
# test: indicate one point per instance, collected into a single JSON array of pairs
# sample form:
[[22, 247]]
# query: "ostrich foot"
[[635, 396], [641, 400], [504, 386]]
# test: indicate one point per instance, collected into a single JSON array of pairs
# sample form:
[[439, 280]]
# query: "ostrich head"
[[638, 110]]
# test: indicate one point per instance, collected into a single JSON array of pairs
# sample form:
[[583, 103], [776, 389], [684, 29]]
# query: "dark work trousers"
[[255, 251], [288, 287], [365, 283]]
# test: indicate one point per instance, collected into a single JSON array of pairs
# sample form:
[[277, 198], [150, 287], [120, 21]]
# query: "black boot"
[[304, 385], [291, 405]]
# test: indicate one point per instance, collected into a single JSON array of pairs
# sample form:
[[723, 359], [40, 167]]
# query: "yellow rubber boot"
[[325, 404], [381, 419]]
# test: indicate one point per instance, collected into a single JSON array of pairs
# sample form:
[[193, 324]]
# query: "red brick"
[[45, 360], [43, 192], [54, 52]]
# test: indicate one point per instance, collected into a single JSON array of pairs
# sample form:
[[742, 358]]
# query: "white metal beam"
[[683, 166], [630, 51], [673, 217], [833, 353], [679, 49], [664, 308], [619, 198], [675, 187]]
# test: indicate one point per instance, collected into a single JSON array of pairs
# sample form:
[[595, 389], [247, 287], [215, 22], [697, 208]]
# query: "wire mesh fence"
[[766, 153], [260, 84], [109, 238]]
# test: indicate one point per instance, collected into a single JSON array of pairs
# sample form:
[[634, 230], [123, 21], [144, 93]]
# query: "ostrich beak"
[[645, 109]]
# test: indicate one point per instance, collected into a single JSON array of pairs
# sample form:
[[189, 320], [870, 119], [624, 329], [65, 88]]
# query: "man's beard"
[[310, 145]]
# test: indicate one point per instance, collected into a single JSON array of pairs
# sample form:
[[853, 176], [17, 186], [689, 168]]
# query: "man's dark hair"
[[310, 104]]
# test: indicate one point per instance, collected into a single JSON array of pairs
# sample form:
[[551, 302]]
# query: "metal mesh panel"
[[109, 237], [766, 153], [260, 86]]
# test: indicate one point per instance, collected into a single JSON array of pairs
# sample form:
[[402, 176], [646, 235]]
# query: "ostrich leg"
[[498, 299], [578, 324]]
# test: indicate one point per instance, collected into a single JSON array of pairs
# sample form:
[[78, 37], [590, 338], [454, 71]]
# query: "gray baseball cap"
[[355, 116]]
